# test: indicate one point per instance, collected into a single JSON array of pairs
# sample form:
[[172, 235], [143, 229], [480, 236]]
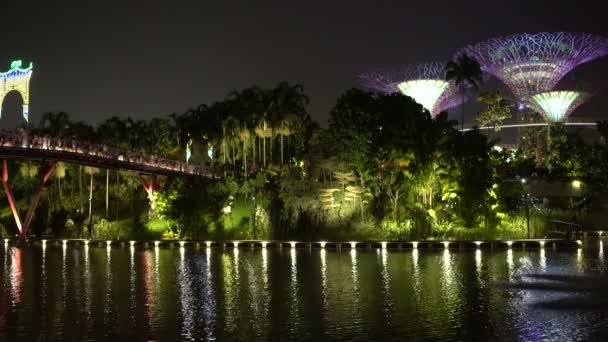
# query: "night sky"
[[144, 59]]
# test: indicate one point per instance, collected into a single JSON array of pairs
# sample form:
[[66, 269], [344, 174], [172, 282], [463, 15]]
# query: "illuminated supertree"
[[425, 83], [532, 63], [555, 106]]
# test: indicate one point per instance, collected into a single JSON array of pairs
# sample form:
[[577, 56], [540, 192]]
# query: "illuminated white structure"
[[16, 79], [425, 92], [425, 83], [555, 106]]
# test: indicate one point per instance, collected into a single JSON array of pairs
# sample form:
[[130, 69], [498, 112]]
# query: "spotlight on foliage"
[[425, 83], [555, 106], [532, 63]]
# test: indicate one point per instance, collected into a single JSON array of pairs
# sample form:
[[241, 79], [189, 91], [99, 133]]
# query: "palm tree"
[[59, 173], [91, 171], [464, 71], [288, 105]]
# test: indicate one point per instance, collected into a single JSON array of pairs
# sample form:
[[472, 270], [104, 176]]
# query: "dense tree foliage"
[[383, 168]]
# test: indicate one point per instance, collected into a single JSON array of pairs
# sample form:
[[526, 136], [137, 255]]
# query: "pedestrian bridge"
[[49, 150], [17, 145]]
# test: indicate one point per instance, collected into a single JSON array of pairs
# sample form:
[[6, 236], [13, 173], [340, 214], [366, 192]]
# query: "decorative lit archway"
[[17, 79]]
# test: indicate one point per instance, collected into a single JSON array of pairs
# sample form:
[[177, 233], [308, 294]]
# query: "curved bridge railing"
[[20, 145]]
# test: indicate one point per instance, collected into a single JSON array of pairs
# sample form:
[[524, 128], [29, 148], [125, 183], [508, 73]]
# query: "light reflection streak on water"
[[542, 260], [448, 283], [323, 280], [150, 285], [187, 307], [16, 275], [209, 303], [355, 283], [265, 267], [386, 283], [416, 272], [107, 308], [265, 290], [579, 259], [601, 251], [64, 274], [293, 286], [44, 289], [510, 263], [88, 291], [231, 285], [478, 265], [132, 280]]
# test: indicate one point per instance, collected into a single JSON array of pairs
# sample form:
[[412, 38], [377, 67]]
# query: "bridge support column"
[[150, 186], [45, 172]]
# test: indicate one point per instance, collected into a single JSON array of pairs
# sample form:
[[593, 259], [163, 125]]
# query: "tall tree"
[[497, 110], [464, 71]]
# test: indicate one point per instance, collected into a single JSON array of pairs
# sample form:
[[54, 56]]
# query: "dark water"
[[98, 292]]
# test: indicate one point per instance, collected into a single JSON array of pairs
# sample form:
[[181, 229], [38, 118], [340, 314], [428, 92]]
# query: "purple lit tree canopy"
[[425, 83], [532, 63]]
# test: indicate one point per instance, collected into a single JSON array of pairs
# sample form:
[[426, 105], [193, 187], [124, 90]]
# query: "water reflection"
[[16, 275], [187, 307], [100, 293], [323, 258], [579, 259], [478, 267], [209, 305], [510, 265], [542, 260]]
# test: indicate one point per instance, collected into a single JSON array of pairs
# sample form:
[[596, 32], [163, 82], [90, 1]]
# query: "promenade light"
[[322, 243], [156, 243], [415, 244], [576, 184], [446, 244], [478, 243], [264, 243], [293, 244], [353, 244], [86, 242], [579, 242], [383, 243], [65, 242], [542, 243], [208, 244], [182, 243], [509, 243], [235, 244], [132, 243], [108, 243]]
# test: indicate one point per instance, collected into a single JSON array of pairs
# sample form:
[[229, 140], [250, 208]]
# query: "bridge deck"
[[21, 146]]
